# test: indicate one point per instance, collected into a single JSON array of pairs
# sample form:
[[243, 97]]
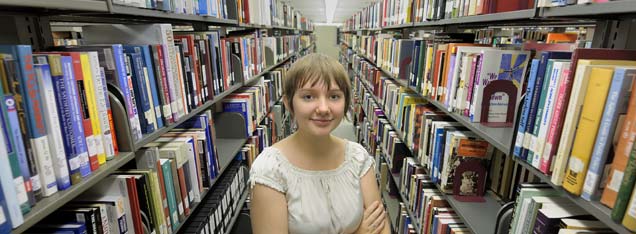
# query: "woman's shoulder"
[[356, 151], [268, 158]]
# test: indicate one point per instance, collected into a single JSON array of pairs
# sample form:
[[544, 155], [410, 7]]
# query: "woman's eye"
[[335, 97], [307, 97]]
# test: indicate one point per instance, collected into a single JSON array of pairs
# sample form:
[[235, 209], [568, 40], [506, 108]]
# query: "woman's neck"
[[320, 145]]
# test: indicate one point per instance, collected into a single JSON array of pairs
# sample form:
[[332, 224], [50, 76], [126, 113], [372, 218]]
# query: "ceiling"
[[315, 9]]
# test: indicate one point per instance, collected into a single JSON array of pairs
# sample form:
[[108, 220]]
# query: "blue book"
[[203, 7], [538, 86], [525, 111], [75, 228], [239, 106], [36, 124], [151, 81], [15, 132], [439, 150], [68, 106], [146, 119], [615, 106], [213, 38], [5, 221], [7, 186]]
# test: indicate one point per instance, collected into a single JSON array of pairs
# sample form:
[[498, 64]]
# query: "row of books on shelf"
[[396, 12], [154, 193], [418, 188], [271, 13], [539, 208], [216, 212], [213, 8], [561, 131]]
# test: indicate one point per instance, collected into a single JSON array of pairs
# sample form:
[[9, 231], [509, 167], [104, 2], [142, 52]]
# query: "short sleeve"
[[362, 161], [266, 170]]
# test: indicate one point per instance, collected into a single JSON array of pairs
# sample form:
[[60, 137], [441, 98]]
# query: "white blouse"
[[328, 201]]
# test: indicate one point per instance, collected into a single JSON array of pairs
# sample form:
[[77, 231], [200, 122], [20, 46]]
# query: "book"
[[58, 155], [600, 80], [14, 211], [36, 125], [615, 106]]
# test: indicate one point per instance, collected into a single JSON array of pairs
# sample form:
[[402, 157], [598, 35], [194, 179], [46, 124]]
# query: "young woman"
[[313, 182]]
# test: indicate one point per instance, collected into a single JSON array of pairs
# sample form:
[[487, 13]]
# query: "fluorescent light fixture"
[[330, 9], [328, 24]]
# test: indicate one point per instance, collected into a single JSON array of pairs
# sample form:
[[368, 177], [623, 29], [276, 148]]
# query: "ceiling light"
[[330, 9]]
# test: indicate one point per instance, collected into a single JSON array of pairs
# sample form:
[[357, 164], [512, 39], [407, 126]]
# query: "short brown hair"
[[316, 68]]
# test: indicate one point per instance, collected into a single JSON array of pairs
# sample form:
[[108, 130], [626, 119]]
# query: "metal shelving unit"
[[48, 205], [474, 214], [595, 208]]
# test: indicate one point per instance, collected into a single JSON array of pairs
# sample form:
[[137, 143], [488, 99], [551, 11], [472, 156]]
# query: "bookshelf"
[[477, 215], [42, 13], [612, 20], [236, 214]]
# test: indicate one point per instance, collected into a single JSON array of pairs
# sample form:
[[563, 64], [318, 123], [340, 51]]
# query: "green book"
[[172, 202], [627, 186]]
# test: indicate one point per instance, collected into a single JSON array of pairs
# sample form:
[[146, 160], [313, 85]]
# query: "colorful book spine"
[[151, 84], [58, 155], [14, 132], [172, 200], [92, 115], [7, 186], [600, 80], [103, 106], [626, 188], [525, 111], [36, 124], [146, 119], [68, 106], [615, 106], [125, 85]]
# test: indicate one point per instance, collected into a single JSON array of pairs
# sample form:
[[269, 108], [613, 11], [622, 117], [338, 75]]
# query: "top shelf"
[[65, 5], [158, 14]]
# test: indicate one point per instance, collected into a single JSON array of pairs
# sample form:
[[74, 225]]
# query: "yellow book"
[[92, 108], [426, 84], [589, 121]]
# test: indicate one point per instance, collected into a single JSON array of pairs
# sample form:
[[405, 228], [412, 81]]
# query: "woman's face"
[[318, 110]]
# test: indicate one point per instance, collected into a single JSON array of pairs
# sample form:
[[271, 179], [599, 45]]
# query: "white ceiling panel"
[[315, 9]]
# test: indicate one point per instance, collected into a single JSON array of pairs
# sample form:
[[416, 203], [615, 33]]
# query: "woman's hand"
[[373, 220]]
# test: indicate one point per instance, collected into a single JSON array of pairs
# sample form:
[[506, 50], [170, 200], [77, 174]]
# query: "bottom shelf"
[[238, 211], [595, 208]]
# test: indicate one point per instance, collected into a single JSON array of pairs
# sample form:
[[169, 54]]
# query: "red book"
[[162, 78], [133, 197], [184, 190], [190, 52]]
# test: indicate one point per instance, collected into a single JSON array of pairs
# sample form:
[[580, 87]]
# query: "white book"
[[56, 144], [101, 94], [461, 69], [8, 187]]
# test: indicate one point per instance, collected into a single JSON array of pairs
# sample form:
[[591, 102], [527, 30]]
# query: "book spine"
[[595, 97], [525, 111], [170, 194], [151, 86], [534, 132], [168, 84], [85, 113], [7, 186], [35, 121], [146, 116], [555, 124], [170, 55], [615, 106], [51, 116], [12, 126], [626, 188], [161, 82], [114, 148], [548, 110], [125, 85], [67, 97], [103, 107], [98, 137]]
